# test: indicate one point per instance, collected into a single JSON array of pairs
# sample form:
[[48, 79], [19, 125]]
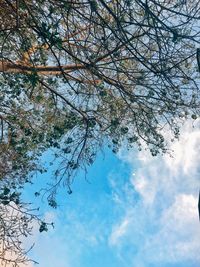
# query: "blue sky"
[[134, 211]]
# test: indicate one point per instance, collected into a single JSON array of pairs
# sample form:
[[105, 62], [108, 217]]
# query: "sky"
[[134, 210]]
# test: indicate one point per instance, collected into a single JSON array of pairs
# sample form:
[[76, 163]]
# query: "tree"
[[16, 222], [76, 75]]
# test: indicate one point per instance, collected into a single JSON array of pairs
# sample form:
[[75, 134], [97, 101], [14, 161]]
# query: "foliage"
[[16, 222], [76, 75]]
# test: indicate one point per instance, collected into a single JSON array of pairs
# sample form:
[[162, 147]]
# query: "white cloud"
[[153, 221], [163, 222], [186, 151], [75, 234], [50, 248], [179, 234], [119, 231]]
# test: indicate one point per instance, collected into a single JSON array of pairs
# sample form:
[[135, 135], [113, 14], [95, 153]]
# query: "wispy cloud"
[[147, 219], [119, 231], [75, 234], [160, 223]]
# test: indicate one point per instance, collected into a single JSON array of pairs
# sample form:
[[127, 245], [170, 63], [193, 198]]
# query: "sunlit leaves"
[[89, 74], [81, 75]]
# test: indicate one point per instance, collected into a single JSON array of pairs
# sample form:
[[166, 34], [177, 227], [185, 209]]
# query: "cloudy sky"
[[133, 211]]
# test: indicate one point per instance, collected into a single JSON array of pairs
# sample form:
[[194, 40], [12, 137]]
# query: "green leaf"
[[37, 194], [6, 191], [194, 116], [43, 227]]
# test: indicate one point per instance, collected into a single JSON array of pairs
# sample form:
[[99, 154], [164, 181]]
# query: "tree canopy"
[[78, 75]]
